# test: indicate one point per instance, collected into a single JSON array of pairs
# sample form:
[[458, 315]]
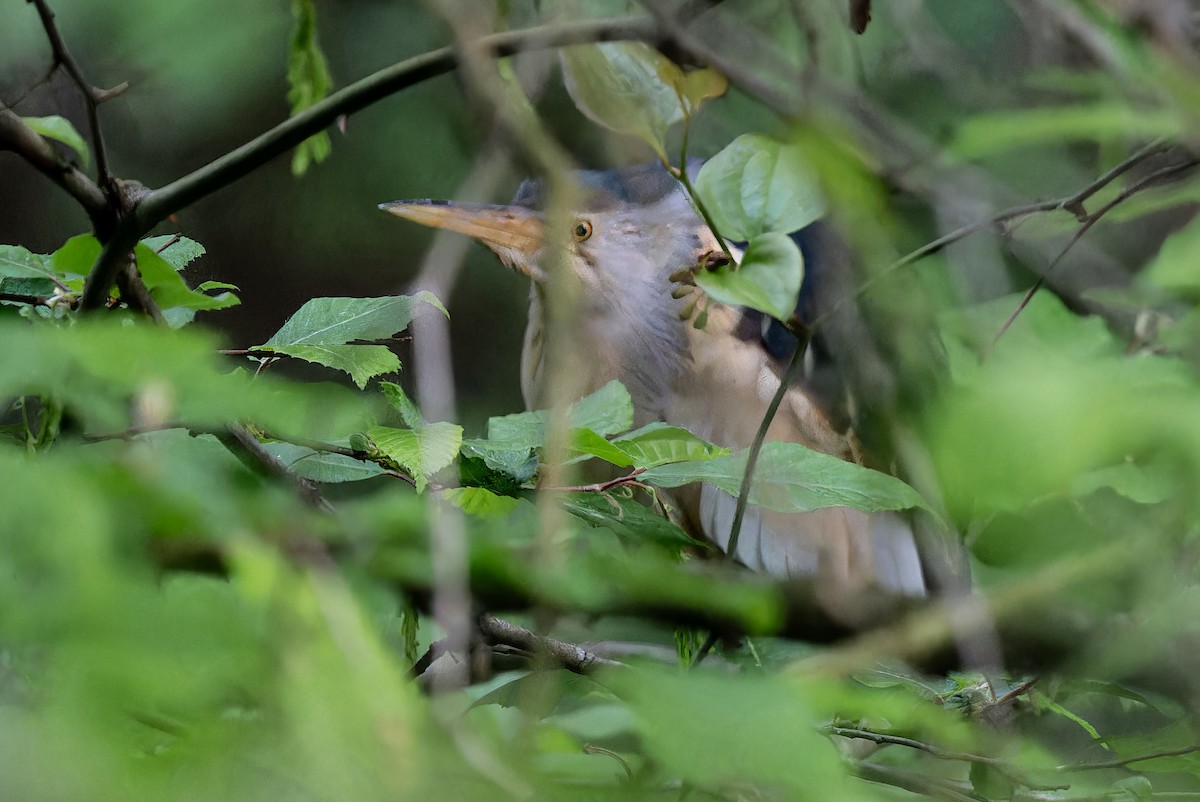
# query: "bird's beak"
[[513, 232]]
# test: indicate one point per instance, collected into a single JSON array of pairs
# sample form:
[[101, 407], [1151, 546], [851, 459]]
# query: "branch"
[[599, 487], [240, 440], [568, 655], [155, 206], [91, 96], [18, 137], [167, 200], [1125, 761], [1090, 220], [1007, 769]]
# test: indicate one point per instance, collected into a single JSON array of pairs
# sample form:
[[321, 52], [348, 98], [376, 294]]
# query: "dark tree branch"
[[568, 655], [91, 96], [242, 442], [18, 137]]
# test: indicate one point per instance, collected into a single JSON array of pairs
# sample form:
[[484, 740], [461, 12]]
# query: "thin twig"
[[884, 739], [1121, 762], [1091, 220], [241, 441], [600, 487], [62, 55]]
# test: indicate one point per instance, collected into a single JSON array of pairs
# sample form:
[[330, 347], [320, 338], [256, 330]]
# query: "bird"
[[634, 232]]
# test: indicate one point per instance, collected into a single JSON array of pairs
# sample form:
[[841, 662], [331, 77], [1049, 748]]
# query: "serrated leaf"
[[409, 413], [422, 451], [791, 478], [169, 289], [626, 517], [322, 466], [309, 81], [37, 287], [178, 251], [60, 130], [480, 501], [335, 321], [362, 362], [768, 278], [756, 185], [619, 85], [607, 411], [518, 463]]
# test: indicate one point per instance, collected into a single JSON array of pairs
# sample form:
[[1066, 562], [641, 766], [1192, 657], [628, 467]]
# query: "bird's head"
[[634, 227]]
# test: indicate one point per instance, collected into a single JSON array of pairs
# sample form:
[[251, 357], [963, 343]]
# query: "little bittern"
[[632, 235]]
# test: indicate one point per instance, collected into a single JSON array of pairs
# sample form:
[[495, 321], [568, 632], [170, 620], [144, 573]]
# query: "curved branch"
[[156, 205], [18, 137], [167, 200]]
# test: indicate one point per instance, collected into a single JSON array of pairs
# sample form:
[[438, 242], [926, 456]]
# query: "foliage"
[[218, 580]]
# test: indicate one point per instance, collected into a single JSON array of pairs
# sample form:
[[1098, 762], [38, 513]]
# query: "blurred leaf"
[[309, 81], [768, 278], [98, 368], [1174, 268], [984, 134], [422, 451], [693, 86], [480, 501], [626, 517], [60, 130], [791, 478], [322, 466], [757, 185], [713, 731], [619, 85]]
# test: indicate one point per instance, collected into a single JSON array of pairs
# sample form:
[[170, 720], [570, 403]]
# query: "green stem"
[[694, 197]]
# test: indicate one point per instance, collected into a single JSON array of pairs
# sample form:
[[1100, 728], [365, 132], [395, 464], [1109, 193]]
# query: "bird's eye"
[[582, 230]]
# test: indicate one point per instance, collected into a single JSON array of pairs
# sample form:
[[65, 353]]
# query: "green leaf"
[[768, 278], [626, 517], [335, 321], [400, 402], [77, 255], [17, 262], [422, 451], [179, 252], [519, 463], [480, 501], [1174, 268], [205, 286], [169, 289], [60, 130], [322, 466], [619, 85], [716, 730], [653, 445], [309, 81], [607, 411], [362, 362], [757, 185], [791, 478]]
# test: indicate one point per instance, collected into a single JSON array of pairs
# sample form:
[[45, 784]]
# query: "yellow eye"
[[582, 230]]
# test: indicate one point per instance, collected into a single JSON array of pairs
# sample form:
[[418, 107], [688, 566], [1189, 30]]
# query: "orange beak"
[[513, 232]]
